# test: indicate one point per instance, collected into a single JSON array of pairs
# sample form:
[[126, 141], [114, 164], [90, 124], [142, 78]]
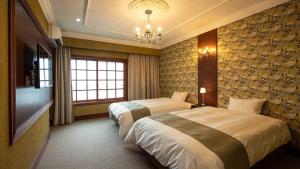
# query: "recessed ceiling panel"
[[110, 19]]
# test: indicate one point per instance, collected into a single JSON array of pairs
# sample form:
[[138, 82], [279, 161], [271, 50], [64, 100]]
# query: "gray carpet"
[[91, 144], [94, 144]]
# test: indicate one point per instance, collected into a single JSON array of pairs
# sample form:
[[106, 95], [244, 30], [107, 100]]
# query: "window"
[[45, 72], [96, 80]]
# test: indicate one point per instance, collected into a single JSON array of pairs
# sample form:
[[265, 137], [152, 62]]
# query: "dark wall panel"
[[207, 67]]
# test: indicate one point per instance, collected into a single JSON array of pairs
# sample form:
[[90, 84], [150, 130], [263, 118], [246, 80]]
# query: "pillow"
[[246, 105], [179, 96]]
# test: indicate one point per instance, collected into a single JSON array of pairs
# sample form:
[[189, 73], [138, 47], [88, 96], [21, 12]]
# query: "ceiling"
[[110, 20]]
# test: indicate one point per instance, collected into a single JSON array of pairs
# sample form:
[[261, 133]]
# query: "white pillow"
[[179, 96], [246, 105]]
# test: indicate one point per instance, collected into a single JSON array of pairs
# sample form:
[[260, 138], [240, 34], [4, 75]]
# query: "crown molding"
[[196, 16], [86, 6], [221, 22], [104, 39], [48, 11]]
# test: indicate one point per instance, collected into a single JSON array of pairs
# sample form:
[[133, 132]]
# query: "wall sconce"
[[202, 91], [206, 51]]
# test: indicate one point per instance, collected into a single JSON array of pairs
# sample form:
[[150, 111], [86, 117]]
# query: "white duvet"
[[259, 134], [155, 106]]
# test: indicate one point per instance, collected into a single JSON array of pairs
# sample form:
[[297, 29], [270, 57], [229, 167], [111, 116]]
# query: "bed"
[[208, 138], [126, 113]]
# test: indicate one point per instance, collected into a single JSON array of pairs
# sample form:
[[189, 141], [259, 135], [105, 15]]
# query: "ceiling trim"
[[48, 11], [197, 16], [86, 6], [104, 39], [231, 18]]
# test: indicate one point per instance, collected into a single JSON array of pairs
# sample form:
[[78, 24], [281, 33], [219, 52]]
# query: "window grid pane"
[[97, 80]]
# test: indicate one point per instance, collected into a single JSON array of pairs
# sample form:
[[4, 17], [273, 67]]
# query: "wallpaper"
[[258, 57], [179, 69]]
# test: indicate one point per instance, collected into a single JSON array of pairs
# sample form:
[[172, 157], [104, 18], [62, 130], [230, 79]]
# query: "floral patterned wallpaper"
[[257, 58], [179, 69]]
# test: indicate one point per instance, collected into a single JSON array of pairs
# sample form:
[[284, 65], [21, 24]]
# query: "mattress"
[[122, 115]]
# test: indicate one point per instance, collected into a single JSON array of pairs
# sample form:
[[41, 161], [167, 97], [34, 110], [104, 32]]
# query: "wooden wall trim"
[[12, 68], [36, 22], [40, 153], [91, 116], [16, 132], [207, 68]]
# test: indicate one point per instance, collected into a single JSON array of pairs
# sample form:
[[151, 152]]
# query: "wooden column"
[[207, 67]]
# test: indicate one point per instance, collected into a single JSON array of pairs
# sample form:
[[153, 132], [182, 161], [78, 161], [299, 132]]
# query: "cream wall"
[[21, 154]]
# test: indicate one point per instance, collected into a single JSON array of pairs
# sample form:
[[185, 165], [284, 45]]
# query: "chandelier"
[[148, 36]]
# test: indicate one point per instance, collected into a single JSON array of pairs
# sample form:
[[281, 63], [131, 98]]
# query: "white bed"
[[259, 135], [155, 106]]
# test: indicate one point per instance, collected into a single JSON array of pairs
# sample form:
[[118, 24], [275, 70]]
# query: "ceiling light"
[[148, 7], [78, 19]]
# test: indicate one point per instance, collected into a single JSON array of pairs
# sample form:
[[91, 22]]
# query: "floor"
[[94, 144]]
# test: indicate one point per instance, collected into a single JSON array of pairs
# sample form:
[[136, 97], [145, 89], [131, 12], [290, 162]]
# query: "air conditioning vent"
[[54, 34]]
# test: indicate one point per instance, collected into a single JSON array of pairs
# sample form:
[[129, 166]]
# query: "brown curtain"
[[143, 77], [63, 91]]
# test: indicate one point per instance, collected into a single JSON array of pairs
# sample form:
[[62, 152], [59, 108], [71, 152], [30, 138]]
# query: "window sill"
[[84, 103]]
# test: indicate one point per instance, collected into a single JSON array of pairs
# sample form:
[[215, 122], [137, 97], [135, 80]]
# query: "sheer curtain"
[[63, 91], [143, 77]]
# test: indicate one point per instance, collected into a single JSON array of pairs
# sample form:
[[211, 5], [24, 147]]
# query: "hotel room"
[[150, 84]]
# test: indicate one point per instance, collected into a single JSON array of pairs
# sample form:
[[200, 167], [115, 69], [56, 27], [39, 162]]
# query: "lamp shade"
[[202, 90]]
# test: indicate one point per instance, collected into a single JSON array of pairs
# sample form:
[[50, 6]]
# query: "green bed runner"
[[137, 110], [230, 150]]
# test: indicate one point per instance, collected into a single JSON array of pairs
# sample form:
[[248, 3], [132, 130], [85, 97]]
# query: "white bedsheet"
[[155, 106], [259, 134]]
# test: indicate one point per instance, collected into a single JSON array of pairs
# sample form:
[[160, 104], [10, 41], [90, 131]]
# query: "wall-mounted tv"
[[43, 66]]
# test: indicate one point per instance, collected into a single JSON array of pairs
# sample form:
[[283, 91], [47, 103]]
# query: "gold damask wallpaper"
[[179, 69], [258, 57]]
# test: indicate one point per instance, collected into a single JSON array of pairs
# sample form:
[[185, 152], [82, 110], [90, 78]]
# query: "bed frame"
[[259, 165]]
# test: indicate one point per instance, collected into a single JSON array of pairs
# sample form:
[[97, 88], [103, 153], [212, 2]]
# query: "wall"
[[179, 69], [104, 46], [83, 47], [22, 153], [87, 48], [258, 59]]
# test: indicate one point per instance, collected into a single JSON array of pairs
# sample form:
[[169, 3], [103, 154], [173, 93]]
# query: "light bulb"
[[159, 29], [137, 29], [148, 26]]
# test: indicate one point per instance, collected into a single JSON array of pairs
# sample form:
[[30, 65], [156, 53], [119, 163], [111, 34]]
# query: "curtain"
[[143, 77], [63, 90]]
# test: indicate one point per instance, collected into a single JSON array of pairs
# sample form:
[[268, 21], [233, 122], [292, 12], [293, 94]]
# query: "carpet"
[[91, 144], [95, 144]]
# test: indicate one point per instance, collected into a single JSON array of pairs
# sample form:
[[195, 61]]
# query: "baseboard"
[[91, 116], [41, 151]]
